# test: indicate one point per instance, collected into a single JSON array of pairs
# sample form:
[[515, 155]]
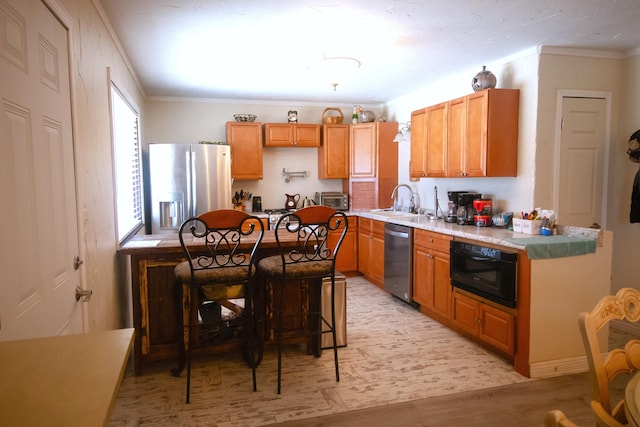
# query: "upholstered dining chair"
[[623, 306], [307, 251], [220, 248]]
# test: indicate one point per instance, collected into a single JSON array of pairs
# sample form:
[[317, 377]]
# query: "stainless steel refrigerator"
[[186, 180]]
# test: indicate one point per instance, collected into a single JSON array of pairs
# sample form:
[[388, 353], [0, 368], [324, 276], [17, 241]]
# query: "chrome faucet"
[[413, 207]]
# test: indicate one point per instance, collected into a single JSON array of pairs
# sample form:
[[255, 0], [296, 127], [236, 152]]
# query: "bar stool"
[[220, 248], [308, 242]]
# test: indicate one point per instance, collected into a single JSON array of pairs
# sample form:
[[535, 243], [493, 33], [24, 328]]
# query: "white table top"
[[64, 380]]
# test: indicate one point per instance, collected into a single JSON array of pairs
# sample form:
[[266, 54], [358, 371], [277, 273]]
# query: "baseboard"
[[557, 367]]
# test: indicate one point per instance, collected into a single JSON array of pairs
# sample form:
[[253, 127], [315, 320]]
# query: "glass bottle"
[[354, 116]]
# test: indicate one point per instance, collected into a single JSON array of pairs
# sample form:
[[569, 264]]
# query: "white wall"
[[509, 194], [92, 52], [622, 172], [189, 121]]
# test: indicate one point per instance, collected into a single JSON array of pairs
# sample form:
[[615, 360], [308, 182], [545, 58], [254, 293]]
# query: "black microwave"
[[488, 272], [336, 200]]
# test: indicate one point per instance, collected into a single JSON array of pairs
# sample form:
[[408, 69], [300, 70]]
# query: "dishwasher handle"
[[396, 234]]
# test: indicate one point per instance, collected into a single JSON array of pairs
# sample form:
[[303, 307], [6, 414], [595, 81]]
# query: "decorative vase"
[[485, 79]]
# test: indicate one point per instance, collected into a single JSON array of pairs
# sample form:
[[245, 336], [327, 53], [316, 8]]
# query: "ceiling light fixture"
[[403, 129], [340, 68]]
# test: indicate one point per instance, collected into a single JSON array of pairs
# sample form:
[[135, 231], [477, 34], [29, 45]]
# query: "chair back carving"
[[624, 306], [222, 238], [314, 228]]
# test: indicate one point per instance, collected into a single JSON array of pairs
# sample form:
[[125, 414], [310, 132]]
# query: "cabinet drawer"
[[377, 227], [364, 225], [435, 241]]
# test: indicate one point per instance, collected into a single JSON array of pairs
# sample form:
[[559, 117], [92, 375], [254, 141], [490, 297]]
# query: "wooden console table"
[[69, 380]]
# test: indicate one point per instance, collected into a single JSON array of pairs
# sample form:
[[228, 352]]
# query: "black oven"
[[484, 271]]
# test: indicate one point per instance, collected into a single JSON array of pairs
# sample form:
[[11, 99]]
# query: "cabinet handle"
[[430, 240]]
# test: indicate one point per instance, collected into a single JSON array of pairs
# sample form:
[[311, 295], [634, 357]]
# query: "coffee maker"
[[466, 211], [452, 211]]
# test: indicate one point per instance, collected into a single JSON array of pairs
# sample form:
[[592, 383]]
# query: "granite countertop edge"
[[493, 235]]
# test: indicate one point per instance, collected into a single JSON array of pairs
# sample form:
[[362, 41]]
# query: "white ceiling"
[[274, 49]]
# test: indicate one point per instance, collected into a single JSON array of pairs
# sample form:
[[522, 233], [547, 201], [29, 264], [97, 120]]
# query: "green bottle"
[[354, 116]]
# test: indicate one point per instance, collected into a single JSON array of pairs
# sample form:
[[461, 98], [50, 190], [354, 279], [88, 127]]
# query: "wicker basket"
[[332, 120]]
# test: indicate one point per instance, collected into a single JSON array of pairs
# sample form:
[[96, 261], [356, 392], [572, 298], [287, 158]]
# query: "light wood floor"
[[400, 368], [522, 405]]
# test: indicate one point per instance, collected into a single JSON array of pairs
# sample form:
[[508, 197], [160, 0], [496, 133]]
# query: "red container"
[[482, 220], [483, 207]]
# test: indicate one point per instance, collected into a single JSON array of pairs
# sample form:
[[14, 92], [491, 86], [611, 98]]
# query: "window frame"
[[130, 222]]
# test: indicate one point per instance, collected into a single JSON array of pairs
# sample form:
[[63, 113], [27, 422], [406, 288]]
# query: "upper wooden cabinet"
[[418, 161], [291, 135], [429, 142], [456, 137], [333, 154], [373, 165], [491, 145], [245, 139], [471, 136]]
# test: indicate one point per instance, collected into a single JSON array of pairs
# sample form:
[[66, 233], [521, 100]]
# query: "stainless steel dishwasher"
[[398, 245]]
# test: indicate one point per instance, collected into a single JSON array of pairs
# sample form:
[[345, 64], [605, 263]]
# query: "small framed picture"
[[293, 116]]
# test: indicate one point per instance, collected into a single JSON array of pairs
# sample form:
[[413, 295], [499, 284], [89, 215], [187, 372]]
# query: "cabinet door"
[[364, 246], [363, 151], [333, 154], [417, 163], [476, 147], [422, 263], [464, 313], [306, 135], [456, 137], [348, 257], [436, 149], [245, 140], [278, 135], [441, 298], [497, 328], [159, 319], [377, 252]]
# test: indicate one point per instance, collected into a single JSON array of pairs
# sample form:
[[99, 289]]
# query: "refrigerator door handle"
[[191, 210]]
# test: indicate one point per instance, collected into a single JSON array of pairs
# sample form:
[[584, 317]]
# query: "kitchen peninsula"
[[544, 338], [551, 291]]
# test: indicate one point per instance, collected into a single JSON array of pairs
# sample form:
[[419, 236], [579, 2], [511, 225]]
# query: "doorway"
[[582, 147], [40, 238]]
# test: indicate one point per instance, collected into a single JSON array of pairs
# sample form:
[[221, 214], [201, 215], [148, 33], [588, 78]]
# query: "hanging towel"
[[634, 215]]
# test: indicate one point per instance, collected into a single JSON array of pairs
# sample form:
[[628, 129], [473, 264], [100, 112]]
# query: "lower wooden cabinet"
[[431, 281], [486, 322], [371, 250], [348, 257]]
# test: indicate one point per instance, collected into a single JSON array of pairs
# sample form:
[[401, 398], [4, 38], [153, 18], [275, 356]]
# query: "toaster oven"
[[336, 200]]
